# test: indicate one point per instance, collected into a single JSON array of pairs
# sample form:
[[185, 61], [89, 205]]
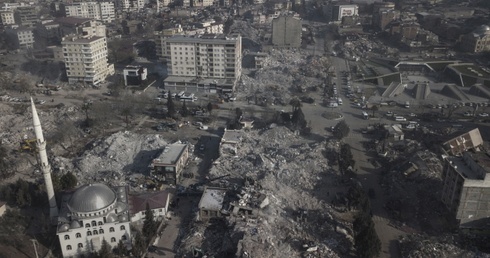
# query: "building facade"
[[170, 163], [23, 36], [7, 17], [86, 59], [102, 11], [209, 63], [90, 215], [27, 15], [286, 32], [134, 75], [157, 202], [476, 41], [466, 188]]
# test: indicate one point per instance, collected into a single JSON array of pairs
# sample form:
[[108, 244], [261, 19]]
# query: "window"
[[124, 237], [67, 237], [101, 231], [111, 229], [80, 245], [95, 232], [123, 227], [78, 235], [99, 223], [94, 223], [89, 233], [86, 225], [68, 247], [113, 239]]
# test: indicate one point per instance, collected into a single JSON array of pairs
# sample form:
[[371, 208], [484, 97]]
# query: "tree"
[[341, 130], [121, 249], [374, 108], [366, 239], [5, 164], [105, 250], [149, 225], [298, 118], [68, 181], [185, 110], [346, 159], [139, 244], [170, 105], [86, 107], [210, 107], [238, 113]]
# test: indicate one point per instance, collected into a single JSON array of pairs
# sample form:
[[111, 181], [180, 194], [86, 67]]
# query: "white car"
[[203, 127], [483, 114], [467, 114]]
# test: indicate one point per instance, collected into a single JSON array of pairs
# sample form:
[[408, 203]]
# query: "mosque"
[[89, 215]]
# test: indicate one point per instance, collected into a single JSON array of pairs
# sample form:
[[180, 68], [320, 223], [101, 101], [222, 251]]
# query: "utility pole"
[[34, 241]]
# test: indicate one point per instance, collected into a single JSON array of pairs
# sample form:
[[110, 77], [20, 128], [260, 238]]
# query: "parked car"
[[203, 127], [467, 114], [483, 114]]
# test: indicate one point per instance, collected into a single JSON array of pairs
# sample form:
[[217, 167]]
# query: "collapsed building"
[[169, 164]]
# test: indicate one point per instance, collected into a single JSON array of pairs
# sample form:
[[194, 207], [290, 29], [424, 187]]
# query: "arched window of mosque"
[[123, 227], [101, 231], [87, 225], [94, 223], [99, 223], [124, 237], [80, 245], [89, 233], [67, 237], [68, 247], [113, 239], [111, 229], [78, 235], [95, 232]]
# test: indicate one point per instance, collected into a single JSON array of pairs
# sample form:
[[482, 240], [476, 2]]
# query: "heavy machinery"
[[198, 188], [28, 145]]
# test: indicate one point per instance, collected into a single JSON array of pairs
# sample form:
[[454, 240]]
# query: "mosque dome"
[[75, 224], [91, 198]]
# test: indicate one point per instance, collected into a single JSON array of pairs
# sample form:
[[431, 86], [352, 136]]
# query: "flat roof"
[[231, 136], [206, 38], [193, 79], [68, 39], [212, 198], [470, 70], [170, 154]]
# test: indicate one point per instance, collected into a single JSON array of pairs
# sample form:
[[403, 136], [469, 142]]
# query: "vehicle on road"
[[365, 115], [203, 127], [400, 119], [389, 113], [483, 114], [467, 114]]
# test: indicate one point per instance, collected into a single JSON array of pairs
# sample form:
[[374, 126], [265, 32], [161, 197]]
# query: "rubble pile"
[[245, 30], [281, 70], [415, 245], [296, 220], [122, 153]]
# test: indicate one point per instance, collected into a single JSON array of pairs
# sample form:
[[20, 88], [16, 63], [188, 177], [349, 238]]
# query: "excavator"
[[28, 145]]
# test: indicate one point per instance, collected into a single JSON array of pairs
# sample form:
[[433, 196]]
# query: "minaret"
[[43, 159]]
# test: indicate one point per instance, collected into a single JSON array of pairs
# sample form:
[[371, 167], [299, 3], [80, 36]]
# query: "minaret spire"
[[43, 159]]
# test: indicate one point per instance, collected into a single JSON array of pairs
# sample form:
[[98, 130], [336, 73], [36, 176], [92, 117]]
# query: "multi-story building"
[[476, 41], [170, 163], [131, 5], [102, 11], [466, 188], [23, 36], [207, 63], [336, 11], [27, 15], [52, 31], [7, 17], [86, 59], [202, 3], [286, 32], [90, 215]]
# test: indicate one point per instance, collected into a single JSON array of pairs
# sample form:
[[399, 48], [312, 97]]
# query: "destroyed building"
[[229, 142], [170, 163], [286, 32], [466, 188], [211, 203], [456, 145]]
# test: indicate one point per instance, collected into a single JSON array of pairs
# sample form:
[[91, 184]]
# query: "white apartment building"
[[203, 3], [7, 17], [131, 5], [203, 63], [103, 11], [24, 37], [86, 59]]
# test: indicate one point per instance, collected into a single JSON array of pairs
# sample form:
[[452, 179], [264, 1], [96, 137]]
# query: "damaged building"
[[169, 164], [229, 142], [211, 203]]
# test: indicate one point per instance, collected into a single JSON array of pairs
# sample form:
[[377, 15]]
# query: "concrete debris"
[[285, 186], [415, 245]]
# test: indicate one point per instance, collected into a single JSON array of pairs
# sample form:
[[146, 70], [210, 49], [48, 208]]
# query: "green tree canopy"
[[68, 181], [341, 130]]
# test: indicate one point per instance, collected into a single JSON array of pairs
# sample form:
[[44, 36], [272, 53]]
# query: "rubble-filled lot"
[[296, 178]]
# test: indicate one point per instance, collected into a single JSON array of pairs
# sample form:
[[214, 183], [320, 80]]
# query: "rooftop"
[[71, 20], [212, 198], [155, 200], [170, 154], [206, 38], [232, 136]]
